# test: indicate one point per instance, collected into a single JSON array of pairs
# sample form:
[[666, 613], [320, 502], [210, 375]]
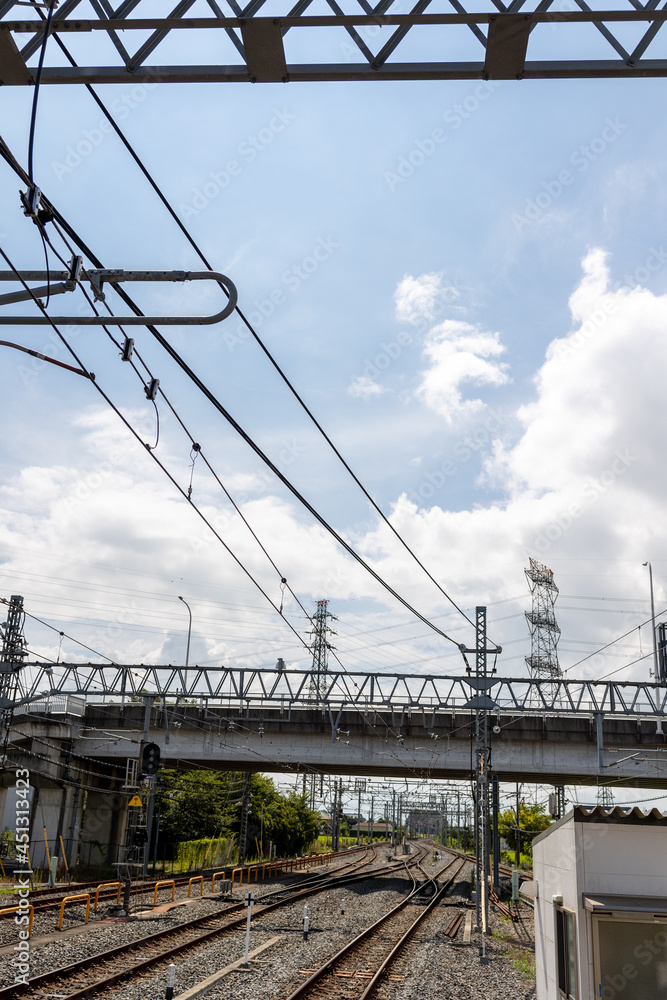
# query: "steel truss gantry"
[[263, 42], [339, 689]]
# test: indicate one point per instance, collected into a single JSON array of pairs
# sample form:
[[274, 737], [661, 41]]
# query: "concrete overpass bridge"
[[81, 727]]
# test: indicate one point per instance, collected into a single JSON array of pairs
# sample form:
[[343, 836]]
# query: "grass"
[[525, 965], [522, 961]]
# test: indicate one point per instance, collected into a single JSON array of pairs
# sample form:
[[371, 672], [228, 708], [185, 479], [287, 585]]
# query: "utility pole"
[[482, 704], [245, 813], [495, 809], [517, 853], [370, 828], [11, 660], [458, 820], [359, 817], [656, 668]]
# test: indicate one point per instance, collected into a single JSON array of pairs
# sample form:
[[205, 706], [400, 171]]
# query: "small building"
[[600, 891]]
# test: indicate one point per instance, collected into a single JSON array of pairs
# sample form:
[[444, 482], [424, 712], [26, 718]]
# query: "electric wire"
[[70, 637], [230, 419], [256, 337], [137, 436], [38, 80], [196, 448], [611, 643]]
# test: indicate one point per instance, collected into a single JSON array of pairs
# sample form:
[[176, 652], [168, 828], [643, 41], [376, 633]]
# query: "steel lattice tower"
[[11, 660], [320, 647], [544, 630]]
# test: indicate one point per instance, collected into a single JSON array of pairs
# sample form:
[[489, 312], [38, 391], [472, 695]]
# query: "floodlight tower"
[[544, 631], [320, 648]]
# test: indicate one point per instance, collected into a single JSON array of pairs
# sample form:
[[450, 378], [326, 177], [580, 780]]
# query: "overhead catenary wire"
[[258, 340], [196, 448], [135, 434], [70, 637], [8, 156]]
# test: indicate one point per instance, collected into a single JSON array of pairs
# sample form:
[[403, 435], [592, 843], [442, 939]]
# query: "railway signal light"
[[150, 758]]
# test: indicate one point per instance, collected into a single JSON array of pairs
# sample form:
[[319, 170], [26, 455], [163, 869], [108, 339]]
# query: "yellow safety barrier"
[[200, 879], [166, 881], [240, 871], [105, 885], [13, 909], [215, 876], [70, 899]]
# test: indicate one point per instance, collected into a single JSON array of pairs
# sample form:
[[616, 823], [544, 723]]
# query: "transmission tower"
[[544, 630], [320, 648], [11, 660], [605, 797]]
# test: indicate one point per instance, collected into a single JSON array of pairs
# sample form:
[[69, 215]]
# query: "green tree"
[[197, 804], [532, 820]]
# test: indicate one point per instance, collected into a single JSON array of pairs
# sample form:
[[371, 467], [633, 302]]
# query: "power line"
[[606, 646], [255, 335], [151, 453]]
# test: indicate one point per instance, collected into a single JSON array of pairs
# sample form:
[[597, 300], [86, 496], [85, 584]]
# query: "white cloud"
[[459, 354], [420, 299], [581, 489], [363, 387]]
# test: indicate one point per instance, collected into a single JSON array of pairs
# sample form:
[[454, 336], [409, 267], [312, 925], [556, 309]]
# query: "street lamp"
[[656, 671], [187, 651]]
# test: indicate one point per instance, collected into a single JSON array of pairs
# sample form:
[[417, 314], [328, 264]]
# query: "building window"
[[567, 981]]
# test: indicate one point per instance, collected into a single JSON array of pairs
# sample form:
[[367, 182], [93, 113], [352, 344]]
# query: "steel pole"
[[656, 669], [187, 650]]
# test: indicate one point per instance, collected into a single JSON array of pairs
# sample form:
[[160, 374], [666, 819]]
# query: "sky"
[[466, 282]]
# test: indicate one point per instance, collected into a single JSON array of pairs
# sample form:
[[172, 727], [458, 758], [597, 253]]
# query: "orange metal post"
[[200, 879], [13, 909], [105, 885], [166, 881], [215, 876], [70, 899]]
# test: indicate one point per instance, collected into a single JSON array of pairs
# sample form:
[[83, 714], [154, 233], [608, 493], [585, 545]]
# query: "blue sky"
[[422, 243]]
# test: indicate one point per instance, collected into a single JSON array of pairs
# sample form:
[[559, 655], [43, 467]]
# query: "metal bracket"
[[64, 281]]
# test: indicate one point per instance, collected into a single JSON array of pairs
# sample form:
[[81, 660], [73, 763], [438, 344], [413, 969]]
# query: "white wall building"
[[601, 906]]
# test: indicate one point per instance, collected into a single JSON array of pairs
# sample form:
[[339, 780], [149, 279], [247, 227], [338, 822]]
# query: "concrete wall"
[[556, 862]]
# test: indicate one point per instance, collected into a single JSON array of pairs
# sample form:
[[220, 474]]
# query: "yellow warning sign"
[[136, 801]]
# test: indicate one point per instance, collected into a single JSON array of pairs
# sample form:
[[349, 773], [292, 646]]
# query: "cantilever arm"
[[117, 276], [45, 357]]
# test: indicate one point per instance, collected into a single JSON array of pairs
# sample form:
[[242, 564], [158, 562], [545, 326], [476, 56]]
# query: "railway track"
[[51, 898], [356, 971], [91, 976], [505, 870]]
